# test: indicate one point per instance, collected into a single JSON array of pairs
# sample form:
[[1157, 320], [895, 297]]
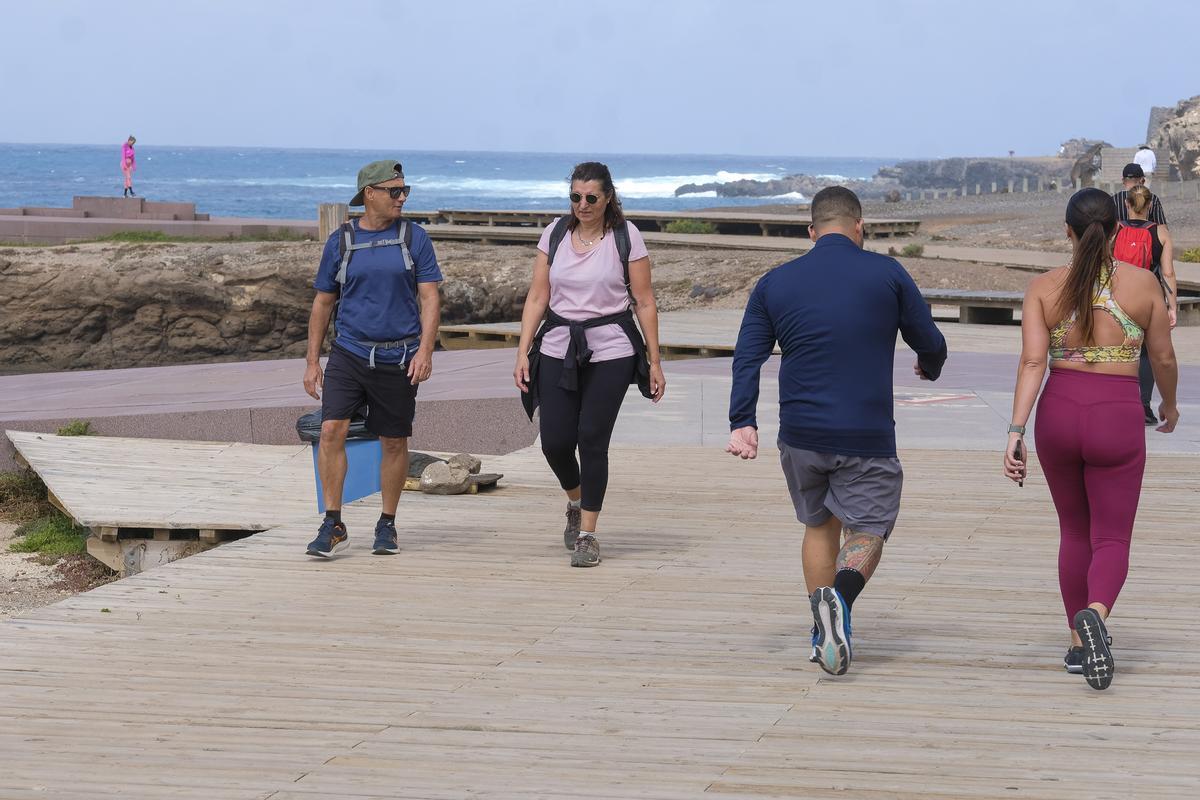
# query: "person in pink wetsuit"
[[128, 165]]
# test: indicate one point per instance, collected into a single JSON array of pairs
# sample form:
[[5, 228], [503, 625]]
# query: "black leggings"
[[583, 419]]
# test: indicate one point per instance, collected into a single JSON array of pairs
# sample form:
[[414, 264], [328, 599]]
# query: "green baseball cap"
[[376, 172]]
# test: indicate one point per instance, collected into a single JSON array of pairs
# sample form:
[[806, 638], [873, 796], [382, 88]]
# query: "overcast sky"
[[781, 77]]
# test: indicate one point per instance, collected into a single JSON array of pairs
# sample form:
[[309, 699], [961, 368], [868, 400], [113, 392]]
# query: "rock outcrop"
[[807, 185], [1074, 148], [1179, 136], [104, 306], [942, 173], [950, 173]]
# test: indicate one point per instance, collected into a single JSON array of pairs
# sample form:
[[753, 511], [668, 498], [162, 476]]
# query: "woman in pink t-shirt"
[[128, 165], [583, 358]]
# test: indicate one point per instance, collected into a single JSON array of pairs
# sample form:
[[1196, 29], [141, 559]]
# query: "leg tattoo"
[[861, 552]]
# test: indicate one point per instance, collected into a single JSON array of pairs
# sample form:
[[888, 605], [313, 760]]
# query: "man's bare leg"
[[331, 466], [331, 461], [819, 553], [393, 471], [856, 562]]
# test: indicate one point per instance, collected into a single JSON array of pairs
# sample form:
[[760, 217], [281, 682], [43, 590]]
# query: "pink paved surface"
[[469, 404]]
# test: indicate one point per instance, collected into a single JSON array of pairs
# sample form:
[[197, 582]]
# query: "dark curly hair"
[[595, 171]]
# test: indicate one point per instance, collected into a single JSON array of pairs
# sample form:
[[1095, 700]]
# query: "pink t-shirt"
[[127, 157], [588, 285]]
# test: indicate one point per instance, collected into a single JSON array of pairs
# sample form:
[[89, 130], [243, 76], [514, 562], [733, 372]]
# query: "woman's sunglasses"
[[395, 191], [591, 198]]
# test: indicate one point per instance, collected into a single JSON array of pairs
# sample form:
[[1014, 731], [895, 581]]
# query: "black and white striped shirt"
[[1156, 214]]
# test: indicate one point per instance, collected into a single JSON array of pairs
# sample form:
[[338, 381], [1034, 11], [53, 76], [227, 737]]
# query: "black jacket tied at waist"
[[578, 353]]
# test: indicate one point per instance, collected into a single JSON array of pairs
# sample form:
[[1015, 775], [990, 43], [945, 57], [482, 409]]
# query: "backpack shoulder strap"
[[405, 235], [557, 234], [347, 239], [621, 237]]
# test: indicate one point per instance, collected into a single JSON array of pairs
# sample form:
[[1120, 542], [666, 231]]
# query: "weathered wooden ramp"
[[150, 501], [478, 664]]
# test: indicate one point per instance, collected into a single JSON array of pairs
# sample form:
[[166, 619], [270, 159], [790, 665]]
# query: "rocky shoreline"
[[1177, 137]]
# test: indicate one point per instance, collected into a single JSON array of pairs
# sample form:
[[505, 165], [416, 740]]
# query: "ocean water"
[[291, 183]]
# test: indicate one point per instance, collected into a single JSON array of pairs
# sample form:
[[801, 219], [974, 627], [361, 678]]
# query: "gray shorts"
[[863, 492]]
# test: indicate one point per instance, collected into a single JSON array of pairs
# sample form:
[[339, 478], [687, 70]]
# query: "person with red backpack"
[[1147, 245]]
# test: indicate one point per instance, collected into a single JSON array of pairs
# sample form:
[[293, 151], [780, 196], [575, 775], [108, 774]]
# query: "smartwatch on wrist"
[[1017, 429]]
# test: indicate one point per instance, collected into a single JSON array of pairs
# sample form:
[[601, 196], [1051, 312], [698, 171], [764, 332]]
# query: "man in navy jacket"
[[835, 313]]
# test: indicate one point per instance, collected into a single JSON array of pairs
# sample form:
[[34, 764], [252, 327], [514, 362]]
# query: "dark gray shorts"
[[863, 492]]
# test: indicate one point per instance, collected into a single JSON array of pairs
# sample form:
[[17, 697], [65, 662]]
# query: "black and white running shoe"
[[1073, 661], [832, 620], [1098, 663]]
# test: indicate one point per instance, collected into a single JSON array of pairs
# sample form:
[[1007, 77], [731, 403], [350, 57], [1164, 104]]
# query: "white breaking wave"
[[634, 188], [788, 196], [699, 194], [309, 182]]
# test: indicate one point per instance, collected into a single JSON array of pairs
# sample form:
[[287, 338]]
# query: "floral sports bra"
[[1127, 353]]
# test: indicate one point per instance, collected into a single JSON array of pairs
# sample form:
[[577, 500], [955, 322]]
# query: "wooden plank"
[[475, 661]]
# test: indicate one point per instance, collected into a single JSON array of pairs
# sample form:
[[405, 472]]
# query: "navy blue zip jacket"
[[835, 312]]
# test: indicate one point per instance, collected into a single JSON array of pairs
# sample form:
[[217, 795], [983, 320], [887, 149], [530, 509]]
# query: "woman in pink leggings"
[[1090, 318]]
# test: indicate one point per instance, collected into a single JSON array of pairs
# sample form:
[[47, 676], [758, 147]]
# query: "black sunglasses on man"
[[396, 192]]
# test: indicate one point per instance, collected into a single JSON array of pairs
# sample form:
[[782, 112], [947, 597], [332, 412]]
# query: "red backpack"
[[1135, 245]]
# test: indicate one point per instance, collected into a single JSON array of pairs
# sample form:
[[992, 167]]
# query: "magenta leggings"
[[1091, 443]]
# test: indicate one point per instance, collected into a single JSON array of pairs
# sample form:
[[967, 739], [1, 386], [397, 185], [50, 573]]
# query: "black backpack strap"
[[557, 234], [621, 237]]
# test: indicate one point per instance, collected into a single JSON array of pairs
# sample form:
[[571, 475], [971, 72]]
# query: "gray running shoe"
[[587, 551], [571, 532]]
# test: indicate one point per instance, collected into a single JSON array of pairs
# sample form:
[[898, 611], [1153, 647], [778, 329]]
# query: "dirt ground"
[[24, 582]]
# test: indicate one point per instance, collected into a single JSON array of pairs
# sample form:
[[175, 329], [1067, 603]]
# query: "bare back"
[[1120, 320]]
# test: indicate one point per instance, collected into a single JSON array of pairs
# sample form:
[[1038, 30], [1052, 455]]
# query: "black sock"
[[335, 515], [849, 584], [387, 517]]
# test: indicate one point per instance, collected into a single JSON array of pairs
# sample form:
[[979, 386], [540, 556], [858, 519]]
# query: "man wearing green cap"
[[379, 273]]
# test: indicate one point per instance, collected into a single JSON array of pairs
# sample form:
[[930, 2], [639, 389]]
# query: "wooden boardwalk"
[[478, 664], [724, 222]]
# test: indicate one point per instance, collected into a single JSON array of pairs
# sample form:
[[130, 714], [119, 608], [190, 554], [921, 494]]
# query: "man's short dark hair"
[[835, 203]]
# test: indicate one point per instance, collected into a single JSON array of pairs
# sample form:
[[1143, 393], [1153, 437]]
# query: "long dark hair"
[[595, 171], [1092, 215]]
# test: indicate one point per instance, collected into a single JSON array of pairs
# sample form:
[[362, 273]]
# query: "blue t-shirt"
[[379, 300], [835, 313]]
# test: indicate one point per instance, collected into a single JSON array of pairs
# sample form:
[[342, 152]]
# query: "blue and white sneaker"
[[816, 651], [831, 642], [1098, 663], [387, 543], [330, 539]]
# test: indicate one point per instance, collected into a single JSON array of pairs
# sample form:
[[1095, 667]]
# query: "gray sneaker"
[[571, 532], [586, 552]]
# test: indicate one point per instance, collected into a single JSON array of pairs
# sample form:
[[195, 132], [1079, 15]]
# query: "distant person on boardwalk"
[[590, 277], [1090, 319], [835, 313], [1146, 159], [128, 165], [380, 275], [1132, 175], [1144, 244]]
